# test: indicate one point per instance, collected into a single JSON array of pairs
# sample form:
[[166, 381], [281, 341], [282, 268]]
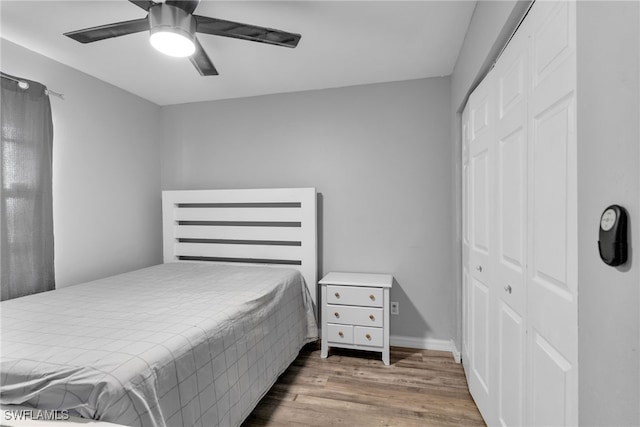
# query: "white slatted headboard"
[[275, 226]]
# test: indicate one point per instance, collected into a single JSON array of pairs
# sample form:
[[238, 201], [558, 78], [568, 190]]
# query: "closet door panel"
[[480, 345], [552, 251], [479, 185], [481, 137], [551, 384], [510, 277], [552, 282], [510, 367], [511, 148], [553, 42], [480, 203], [466, 356], [465, 185], [549, 207], [481, 240], [511, 74], [466, 317], [511, 201], [511, 227]]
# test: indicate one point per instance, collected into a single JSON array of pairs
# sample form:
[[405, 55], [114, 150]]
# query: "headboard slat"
[[239, 214], [239, 251], [284, 262], [241, 205], [241, 242], [241, 233], [240, 223]]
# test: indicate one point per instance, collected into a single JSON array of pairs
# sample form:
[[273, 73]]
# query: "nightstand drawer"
[[340, 333], [349, 315], [367, 336], [354, 295]]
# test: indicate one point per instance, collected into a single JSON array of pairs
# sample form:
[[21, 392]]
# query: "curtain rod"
[[25, 85]]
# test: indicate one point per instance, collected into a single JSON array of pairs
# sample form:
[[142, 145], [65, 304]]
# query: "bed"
[[196, 341]]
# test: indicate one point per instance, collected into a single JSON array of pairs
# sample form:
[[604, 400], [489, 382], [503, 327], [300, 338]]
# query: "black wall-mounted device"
[[613, 235]]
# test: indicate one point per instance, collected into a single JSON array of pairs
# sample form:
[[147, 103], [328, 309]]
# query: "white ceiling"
[[343, 43]]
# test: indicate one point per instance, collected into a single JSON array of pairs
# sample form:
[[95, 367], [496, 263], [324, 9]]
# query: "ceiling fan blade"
[[237, 30], [201, 61], [108, 31], [144, 4], [187, 5]]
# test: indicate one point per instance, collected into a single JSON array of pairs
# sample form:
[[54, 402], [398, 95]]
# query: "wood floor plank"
[[419, 388], [442, 410]]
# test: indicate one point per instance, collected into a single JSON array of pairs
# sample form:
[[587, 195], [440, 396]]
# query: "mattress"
[[178, 344]]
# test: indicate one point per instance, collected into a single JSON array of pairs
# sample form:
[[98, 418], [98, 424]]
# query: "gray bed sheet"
[[178, 344]]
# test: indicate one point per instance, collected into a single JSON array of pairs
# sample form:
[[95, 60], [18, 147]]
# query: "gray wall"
[[378, 154], [608, 45], [106, 171]]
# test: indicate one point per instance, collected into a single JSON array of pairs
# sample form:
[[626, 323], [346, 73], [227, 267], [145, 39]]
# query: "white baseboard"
[[426, 344]]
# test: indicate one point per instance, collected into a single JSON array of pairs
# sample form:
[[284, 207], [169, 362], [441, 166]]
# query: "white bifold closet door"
[[480, 240], [519, 227]]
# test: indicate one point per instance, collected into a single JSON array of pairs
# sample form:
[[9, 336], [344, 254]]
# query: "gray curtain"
[[26, 208]]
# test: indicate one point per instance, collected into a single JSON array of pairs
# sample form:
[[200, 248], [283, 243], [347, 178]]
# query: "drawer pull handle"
[[336, 314], [337, 294], [368, 337], [372, 297], [371, 317], [341, 334]]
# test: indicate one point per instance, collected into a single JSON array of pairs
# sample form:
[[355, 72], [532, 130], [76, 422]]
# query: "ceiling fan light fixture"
[[172, 30], [172, 43]]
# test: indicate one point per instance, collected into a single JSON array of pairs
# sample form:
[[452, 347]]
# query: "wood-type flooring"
[[354, 388]]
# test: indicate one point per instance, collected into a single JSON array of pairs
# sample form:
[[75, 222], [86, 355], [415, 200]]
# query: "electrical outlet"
[[395, 307]]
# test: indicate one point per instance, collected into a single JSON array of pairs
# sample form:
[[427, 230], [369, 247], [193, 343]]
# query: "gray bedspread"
[[181, 344]]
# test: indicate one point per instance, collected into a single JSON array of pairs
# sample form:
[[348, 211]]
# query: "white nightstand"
[[355, 312]]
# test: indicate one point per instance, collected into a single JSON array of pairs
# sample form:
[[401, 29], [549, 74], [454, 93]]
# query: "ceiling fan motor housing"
[[164, 17]]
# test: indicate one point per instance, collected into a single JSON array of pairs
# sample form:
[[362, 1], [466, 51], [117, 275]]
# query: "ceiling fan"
[[173, 27]]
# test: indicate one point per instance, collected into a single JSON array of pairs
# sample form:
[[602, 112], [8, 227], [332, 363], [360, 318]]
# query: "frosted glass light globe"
[[172, 43]]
